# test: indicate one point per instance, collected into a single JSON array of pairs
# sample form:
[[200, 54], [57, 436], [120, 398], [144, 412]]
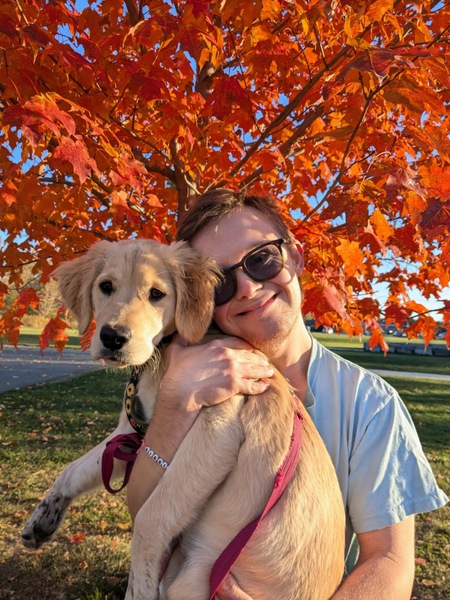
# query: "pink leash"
[[112, 451], [229, 556]]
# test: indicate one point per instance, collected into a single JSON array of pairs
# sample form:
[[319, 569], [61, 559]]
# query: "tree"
[[116, 115]]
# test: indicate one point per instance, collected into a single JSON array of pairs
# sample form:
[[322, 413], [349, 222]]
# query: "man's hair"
[[215, 204]]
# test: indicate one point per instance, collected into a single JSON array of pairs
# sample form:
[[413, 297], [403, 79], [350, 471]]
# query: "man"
[[384, 476]]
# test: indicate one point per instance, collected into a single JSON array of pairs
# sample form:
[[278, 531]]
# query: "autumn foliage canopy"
[[115, 115]]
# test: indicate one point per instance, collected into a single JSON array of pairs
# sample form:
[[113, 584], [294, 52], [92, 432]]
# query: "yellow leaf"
[[270, 9], [377, 10], [381, 225], [351, 40], [358, 43]]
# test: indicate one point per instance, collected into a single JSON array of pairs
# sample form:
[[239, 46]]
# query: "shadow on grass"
[[60, 578]]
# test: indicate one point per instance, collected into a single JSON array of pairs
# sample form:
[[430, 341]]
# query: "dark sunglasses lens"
[[265, 263], [224, 289]]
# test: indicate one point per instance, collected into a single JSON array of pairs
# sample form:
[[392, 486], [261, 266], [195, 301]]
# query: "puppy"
[[223, 473]]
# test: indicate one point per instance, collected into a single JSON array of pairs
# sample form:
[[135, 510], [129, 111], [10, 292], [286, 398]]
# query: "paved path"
[[26, 366], [384, 373]]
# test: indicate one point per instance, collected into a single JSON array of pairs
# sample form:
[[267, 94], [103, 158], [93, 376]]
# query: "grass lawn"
[[43, 429]]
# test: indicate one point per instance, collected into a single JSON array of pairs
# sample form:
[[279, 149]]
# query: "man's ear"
[[195, 278], [75, 281], [296, 252]]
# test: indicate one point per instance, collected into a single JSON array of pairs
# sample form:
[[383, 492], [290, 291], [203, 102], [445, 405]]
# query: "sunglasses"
[[261, 264]]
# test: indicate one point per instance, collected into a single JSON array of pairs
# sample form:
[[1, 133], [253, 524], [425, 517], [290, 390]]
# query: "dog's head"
[[138, 291]]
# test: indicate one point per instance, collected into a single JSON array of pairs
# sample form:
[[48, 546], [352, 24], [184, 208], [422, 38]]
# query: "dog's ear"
[[75, 280], [195, 278]]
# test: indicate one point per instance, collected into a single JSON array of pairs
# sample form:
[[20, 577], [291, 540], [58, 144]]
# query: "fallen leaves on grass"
[[77, 538]]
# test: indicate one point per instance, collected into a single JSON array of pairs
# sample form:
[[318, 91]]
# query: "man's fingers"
[[229, 590], [257, 387]]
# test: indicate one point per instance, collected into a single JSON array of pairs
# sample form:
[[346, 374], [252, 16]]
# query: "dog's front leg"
[[81, 476], [203, 461]]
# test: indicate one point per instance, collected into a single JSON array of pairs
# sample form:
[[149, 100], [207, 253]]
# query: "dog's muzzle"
[[113, 340]]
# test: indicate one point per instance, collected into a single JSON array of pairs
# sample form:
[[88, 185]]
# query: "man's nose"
[[246, 286]]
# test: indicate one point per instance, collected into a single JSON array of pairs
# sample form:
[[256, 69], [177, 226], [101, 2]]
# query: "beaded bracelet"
[[152, 454]]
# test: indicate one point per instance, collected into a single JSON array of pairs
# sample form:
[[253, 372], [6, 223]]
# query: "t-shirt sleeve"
[[389, 475]]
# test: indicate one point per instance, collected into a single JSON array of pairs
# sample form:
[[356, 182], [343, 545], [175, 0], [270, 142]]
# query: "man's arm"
[[385, 568]]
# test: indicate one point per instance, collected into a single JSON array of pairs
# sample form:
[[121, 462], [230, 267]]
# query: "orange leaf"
[[54, 330], [377, 339], [381, 225], [351, 254]]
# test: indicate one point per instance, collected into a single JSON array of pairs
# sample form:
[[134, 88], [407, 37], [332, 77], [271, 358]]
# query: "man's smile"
[[259, 306]]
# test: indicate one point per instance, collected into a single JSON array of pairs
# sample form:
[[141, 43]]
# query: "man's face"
[[264, 313]]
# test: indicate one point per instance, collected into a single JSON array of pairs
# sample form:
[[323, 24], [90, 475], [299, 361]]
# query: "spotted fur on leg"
[[45, 520]]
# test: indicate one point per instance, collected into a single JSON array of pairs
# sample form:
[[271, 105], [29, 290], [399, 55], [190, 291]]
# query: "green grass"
[[344, 341], [398, 362], [44, 428], [41, 431], [353, 350]]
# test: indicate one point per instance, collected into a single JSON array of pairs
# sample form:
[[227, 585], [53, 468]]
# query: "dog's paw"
[[44, 521], [141, 587]]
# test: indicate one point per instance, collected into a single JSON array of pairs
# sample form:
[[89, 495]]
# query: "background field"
[[44, 428]]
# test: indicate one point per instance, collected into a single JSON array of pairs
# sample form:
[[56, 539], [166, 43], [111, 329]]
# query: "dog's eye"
[[156, 294], [106, 287]]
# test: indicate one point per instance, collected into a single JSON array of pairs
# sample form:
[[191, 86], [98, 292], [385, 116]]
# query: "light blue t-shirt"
[[383, 473]]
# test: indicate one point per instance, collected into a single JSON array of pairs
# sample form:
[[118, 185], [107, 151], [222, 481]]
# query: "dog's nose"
[[114, 338]]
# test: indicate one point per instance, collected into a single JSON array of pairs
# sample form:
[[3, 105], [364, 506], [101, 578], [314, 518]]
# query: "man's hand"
[[211, 373]]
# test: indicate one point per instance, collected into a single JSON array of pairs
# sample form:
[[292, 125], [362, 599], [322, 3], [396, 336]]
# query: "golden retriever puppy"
[[224, 471]]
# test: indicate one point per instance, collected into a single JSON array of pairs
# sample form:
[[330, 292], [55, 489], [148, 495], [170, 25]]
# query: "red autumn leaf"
[[77, 538], [396, 314], [27, 299], [228, 94], [380, 61], [54, 330], [86, 338], [437, 216], [424, 325], [7, 26], [403, 178], [75, 153], [8, 193], [39, 116]]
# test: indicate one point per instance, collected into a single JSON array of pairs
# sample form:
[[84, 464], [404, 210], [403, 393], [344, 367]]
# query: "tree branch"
[[286, 147], [342, 168], [284, 114], [133, 12]]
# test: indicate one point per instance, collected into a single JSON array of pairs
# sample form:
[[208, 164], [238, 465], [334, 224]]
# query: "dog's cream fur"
[[223, 472]]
